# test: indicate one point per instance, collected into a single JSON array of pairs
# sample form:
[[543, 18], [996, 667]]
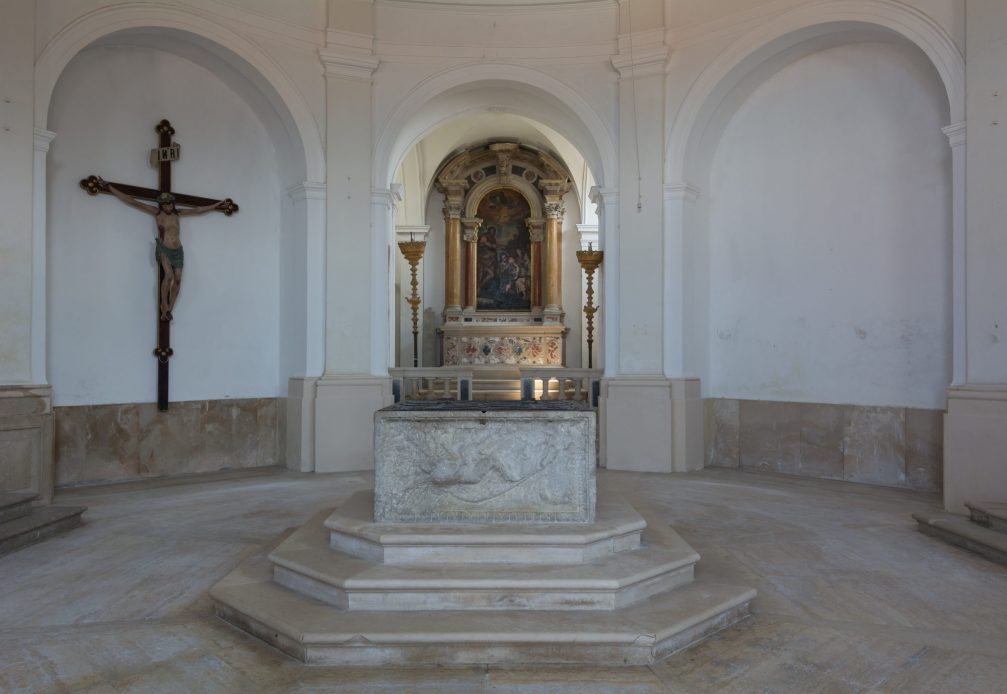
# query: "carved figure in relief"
[[479, 472], [168, 244]]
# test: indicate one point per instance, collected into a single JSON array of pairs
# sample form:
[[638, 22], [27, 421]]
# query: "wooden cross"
[[162, 157]]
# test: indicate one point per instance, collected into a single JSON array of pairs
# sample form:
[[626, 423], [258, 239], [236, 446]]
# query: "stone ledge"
[[617, 528], [16, 505], [961, 532], [989, 514], [40, 523]]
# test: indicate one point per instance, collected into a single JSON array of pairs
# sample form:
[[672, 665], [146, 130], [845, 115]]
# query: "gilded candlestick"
[[413, 253], [590, 260]]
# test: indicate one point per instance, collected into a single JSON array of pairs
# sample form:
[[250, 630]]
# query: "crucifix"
[[168, 244]]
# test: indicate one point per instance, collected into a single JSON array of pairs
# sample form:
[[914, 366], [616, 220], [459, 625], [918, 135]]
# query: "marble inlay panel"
[[875, 445], [770, 436], [924, 449], [118, 442], [722, 429]]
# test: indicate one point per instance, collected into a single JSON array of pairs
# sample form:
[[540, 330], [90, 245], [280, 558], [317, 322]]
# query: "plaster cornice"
[[682, 191], [348, 54], [42, 138], [509, 7], [308, 190], [956, 133], [642, 53]]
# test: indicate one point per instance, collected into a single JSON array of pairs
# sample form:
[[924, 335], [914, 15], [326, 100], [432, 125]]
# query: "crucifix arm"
[[132, 202], [202, 209]]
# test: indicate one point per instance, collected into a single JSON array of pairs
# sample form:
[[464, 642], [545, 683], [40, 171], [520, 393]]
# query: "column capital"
[[604, 196], [387, 197], [350, 55], [42, 139], [682, 190], [956, 133], [453, 209], [307, 190], [470, 228], [554, 210], [536, 229]]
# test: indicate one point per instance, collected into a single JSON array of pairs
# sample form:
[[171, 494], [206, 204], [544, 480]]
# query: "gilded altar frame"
[[474, 336]]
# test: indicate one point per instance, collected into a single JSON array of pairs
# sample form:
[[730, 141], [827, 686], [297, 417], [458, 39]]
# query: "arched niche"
[[700, 160], [290, 132], [503, 305]]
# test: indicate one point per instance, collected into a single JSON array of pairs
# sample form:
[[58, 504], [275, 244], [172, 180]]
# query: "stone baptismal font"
[[483, 541]]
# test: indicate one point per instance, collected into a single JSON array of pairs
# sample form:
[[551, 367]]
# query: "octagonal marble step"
[[306, 563], [318, 633], [617, 528]]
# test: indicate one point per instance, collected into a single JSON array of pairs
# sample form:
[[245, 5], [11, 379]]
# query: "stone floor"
[[851, 597]]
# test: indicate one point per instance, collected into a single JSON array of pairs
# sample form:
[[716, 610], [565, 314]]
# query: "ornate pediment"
[[506, 164]]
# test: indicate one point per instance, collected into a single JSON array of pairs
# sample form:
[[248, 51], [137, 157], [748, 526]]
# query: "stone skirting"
[[106, 443], [26, 441], [894, 446]]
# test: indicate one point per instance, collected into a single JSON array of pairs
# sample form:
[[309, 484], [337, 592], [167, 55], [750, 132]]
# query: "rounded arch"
[[244, 56], [805, 26], [454, 93], [485, 187]]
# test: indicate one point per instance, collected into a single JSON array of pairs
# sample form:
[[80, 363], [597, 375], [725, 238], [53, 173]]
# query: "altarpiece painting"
[[503, 256]]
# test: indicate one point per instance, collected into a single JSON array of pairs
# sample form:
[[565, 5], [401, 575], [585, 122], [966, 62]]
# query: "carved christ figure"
[[168, 244]]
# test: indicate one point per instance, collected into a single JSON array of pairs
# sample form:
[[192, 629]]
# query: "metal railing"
[[431, 383], [581, 385], [457, 383]]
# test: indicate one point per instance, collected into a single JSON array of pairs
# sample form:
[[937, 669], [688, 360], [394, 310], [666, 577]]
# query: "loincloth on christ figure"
[[174, 256]]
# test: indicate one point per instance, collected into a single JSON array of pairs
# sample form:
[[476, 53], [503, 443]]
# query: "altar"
[[483, 542], [503, 221]]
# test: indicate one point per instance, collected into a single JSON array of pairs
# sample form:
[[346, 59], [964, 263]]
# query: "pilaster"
[[606, 201], [26, 441], [355, 274], [310, 196], [42, 140], [679, 198], [975, 438], [383, 202], [957, 138], [975, 425], [344, 420], [641, 64], [19, 247]]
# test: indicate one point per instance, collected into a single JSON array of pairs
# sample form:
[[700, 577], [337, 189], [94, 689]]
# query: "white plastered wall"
[[102, 277], [830, 234]]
